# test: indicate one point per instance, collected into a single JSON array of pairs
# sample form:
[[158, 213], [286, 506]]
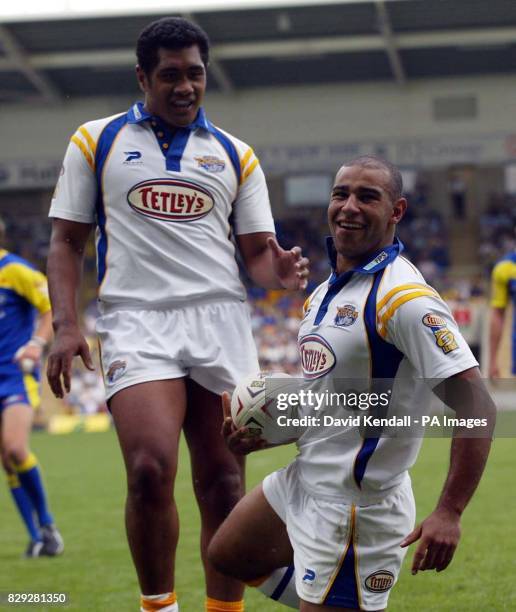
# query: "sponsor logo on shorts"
[[380, 581], [170, 200], [211, 163], [309, 575], [346, 315], [444, 338], [115, 371], [317, 356]]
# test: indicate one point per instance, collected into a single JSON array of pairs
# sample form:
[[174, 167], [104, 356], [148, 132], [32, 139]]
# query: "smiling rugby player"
[[166, 189]]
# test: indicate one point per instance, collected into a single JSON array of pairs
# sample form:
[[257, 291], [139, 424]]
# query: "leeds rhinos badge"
[[346, 315], [211, 163]]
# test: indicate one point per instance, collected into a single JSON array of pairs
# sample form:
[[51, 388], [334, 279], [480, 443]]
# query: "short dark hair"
[[371, 161], [170, 33]]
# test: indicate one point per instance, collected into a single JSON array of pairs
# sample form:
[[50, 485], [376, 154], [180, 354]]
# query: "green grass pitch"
[[84, 474]]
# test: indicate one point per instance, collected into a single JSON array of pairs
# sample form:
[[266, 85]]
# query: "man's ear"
[[398, 210], [141, 77]]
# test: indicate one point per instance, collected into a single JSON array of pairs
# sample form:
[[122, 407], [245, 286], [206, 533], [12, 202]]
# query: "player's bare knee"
[[218, 554], [150, 479], [224, 558], [14, 453], [221, 493]]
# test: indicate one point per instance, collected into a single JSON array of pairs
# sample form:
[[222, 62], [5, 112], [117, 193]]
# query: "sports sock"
[[165, 602], [24, 506], [280, 586], [215, 605], [29, 475]]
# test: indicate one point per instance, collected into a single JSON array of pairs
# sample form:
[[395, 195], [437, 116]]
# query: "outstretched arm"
[[439, 533], [269, 265], [64, 270]]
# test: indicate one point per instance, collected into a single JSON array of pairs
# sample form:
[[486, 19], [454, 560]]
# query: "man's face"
[[361, 214], [175, 88]]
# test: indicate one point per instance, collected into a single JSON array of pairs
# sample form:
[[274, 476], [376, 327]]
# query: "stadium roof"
[[68, 49]]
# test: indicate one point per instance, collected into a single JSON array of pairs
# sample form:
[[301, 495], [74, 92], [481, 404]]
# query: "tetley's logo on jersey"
[[170, 200], [317, 356]]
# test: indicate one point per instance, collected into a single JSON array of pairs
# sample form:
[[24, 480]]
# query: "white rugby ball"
[[254, 405], [27, 365]]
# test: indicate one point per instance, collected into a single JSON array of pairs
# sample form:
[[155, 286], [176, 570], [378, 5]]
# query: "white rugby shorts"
[[211, 343], [344, 555]]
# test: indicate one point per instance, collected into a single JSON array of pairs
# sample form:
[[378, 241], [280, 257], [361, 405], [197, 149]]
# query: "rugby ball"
[[254, 405]]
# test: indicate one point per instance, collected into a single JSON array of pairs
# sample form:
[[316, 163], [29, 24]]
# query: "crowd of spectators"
[[497, 230]]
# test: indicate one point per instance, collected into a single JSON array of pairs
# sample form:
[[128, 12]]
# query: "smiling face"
[[175, 87], [362, 214]]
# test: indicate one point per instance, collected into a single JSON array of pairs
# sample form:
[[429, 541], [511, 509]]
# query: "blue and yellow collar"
[[373, 264], [138, 114]]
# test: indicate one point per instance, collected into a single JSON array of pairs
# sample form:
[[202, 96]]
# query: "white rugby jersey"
[[378, 321], [165, 203]]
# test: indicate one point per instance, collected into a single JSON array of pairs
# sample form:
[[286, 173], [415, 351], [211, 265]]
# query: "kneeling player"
[[334, 525]]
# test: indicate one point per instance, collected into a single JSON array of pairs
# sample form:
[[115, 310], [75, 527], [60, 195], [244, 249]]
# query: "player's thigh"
[[254, 533], [16, 426], [148, 418], [209, 453], [306, 606]]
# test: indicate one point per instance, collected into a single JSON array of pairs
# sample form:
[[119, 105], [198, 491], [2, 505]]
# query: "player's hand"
[[438, 537], [239, 441], [28, 352], [68, 343], [290, 267]]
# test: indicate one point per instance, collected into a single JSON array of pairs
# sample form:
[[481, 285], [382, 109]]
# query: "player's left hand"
[[290, 267], [438, 537]]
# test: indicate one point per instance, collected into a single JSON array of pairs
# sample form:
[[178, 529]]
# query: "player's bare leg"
[[233, 552], [26, 483], [148, 419], [218, 480], [16, 428], [311, 607]]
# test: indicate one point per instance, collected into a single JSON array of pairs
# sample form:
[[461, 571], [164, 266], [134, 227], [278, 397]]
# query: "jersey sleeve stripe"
[[398, 289], [85, 151], [89, 139], [244, 161], [385, 318], [249, 171]]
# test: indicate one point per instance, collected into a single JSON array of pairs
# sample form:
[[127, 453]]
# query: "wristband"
[[37, 341]]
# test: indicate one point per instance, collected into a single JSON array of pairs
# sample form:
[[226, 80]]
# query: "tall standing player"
[[503, 292], [24, 296], [338, 519], [166, 189]]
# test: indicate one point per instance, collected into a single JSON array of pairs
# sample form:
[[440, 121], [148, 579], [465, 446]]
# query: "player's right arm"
[[64, 270], [73, 213]]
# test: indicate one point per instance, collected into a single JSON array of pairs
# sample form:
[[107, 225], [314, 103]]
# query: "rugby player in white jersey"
[[166, 190], [330, 531]]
